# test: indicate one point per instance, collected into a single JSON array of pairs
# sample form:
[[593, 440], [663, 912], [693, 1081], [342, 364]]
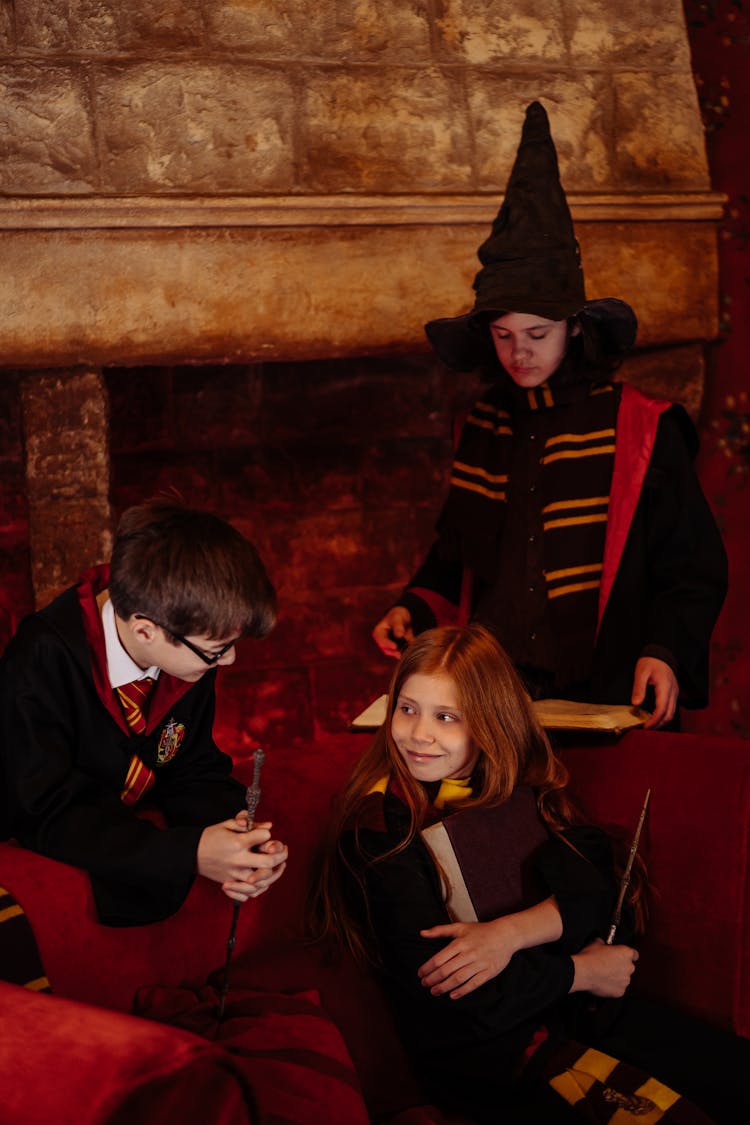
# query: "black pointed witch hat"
[[531, 262]]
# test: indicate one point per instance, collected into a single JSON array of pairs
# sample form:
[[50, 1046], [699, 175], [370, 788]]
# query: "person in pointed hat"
[[574, 527]]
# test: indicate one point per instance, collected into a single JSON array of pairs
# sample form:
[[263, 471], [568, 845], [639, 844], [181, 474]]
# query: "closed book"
[[484, 856]]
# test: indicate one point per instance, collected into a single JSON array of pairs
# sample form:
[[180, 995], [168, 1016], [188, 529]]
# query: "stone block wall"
[[209, 97]]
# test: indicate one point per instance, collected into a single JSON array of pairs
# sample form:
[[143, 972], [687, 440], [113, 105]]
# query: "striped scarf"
[[603, 1089], [563, 476], [20, 961]]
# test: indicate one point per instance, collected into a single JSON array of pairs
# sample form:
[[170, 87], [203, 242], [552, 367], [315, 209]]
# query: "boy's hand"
[[394, 631], [651, 672], [245, 863]]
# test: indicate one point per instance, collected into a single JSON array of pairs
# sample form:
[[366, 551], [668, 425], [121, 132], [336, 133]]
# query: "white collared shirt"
[[121, 668]]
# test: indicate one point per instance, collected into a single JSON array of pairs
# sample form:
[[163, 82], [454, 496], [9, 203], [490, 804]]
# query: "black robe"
[[665, 569], [471, 1054], [477, 1041], [64, 757]]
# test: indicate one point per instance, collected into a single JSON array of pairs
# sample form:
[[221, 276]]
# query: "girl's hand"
[[481, 950], [478, 952], [604, 970]]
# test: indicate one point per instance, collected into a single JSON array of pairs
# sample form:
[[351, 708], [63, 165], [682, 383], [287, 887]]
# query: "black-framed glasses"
[[210, 660]]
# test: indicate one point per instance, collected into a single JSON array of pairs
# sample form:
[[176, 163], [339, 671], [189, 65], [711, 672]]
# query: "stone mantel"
[[117, 212], [142, 280]]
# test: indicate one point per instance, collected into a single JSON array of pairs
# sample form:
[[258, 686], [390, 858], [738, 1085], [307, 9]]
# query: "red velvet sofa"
[[304, 1041]]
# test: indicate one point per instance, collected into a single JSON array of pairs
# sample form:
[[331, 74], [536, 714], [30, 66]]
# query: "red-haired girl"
[[488, 1009]]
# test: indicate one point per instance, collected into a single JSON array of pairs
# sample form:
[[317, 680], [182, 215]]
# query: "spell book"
[[484, 857]]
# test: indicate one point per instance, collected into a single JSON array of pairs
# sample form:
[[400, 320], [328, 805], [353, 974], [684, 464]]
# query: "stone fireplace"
[[222, 231]]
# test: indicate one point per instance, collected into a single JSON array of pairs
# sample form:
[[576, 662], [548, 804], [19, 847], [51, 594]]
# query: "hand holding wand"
[[252, 798], [625, 880]]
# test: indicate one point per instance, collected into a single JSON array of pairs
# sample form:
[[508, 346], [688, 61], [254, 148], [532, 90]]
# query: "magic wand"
[[252, 797], [625, 880]]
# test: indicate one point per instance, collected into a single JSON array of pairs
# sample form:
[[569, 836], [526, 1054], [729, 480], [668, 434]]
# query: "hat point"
[[530, 262]]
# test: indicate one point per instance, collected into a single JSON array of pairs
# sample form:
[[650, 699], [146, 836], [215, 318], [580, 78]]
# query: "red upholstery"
[[291, 1053], [695, 955], [72, 1064], [697, 950]]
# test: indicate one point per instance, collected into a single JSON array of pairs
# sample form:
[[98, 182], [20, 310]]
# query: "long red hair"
[[513, 750], [513, 747]]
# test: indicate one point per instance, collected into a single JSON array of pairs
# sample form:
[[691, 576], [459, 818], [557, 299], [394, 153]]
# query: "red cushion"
[[291, 1053], [696, 953], [73, 1064]]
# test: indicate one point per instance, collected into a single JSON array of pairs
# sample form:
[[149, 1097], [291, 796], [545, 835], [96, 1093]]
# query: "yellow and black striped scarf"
[[573, 450], [20, 962], [603, 1090]]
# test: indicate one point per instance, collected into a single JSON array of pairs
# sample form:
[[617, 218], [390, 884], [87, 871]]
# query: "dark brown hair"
[[189, 571]]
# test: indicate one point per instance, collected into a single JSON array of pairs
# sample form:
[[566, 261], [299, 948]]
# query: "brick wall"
[[336, 471], [16, 595]]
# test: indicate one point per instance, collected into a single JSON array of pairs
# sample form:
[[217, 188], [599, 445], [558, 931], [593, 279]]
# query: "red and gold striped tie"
[[134, 698]]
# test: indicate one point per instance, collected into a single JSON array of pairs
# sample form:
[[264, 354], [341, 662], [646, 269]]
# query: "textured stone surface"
[[271, 707], [652, 266], [107, 25], [650, 36], [659, 139], [525, 32], [195, 128], [340, 516], [65, 428], [358, 29], [67, 476], [580, 113], [176, 296], [7, 38], [45, 125], [379, 130], [253, 96], [342, 688]]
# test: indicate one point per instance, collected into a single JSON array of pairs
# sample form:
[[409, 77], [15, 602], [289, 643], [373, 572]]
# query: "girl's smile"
[[430, 731]]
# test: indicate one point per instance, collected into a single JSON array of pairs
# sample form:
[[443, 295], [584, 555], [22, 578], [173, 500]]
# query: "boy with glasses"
[[107, 706]]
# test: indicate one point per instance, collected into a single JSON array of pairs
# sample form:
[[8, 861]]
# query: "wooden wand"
[[252, 797], [625, 880]]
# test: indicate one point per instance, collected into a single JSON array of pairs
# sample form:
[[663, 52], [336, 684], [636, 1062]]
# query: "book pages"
[[554, 714]]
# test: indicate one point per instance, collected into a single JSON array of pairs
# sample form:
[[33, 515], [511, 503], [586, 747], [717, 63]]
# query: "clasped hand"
[[244, 863]]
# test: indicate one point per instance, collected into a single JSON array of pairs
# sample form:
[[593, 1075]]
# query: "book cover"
[[484, 857]]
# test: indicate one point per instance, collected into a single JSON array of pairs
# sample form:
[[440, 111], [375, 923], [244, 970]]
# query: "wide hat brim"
[[464, 343]]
